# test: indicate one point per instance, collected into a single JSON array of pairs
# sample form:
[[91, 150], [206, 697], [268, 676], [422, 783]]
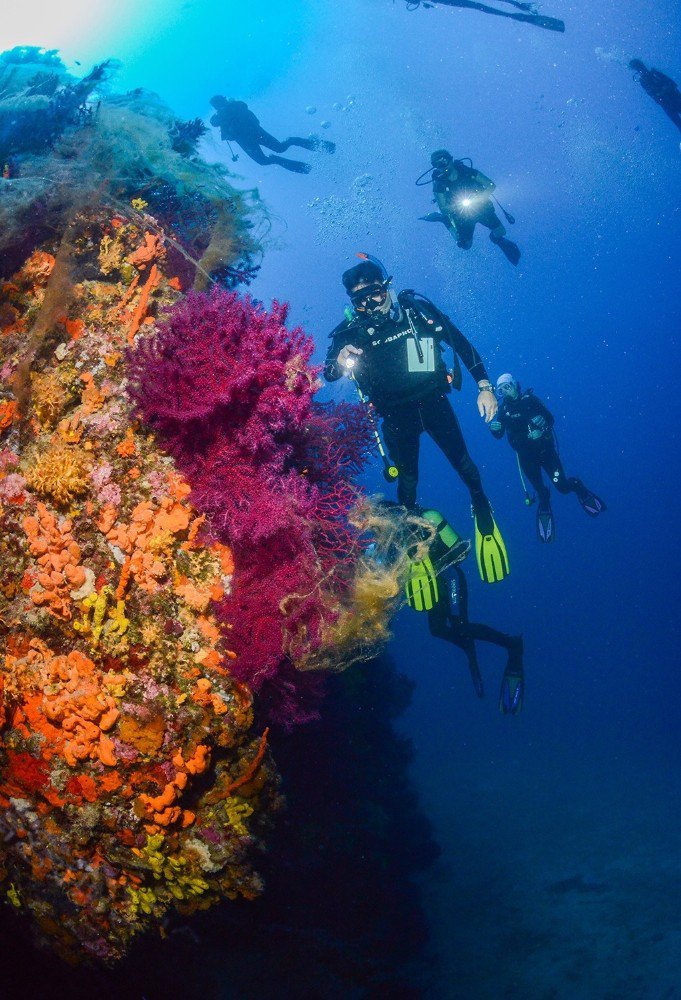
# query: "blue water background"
[[586, 783]]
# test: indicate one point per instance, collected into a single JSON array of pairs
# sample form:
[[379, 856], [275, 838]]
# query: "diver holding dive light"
[[464, 197], [392, 349]]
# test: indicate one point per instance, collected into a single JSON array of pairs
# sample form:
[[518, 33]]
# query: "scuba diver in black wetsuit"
[[661, 88], [528, 11], [238, 124], [437, 585], [529, 428], [393, 352], [464, 197]]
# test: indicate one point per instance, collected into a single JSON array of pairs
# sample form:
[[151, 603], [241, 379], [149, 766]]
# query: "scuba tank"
[[443, 528]]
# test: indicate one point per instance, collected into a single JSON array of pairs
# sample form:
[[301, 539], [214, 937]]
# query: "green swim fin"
[[490, 549], [421, 587]]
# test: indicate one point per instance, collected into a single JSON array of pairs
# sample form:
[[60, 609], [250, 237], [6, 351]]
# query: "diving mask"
[[371, 298]]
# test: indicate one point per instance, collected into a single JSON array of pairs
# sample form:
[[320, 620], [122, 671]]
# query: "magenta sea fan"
[[218, 351], [229, 391]]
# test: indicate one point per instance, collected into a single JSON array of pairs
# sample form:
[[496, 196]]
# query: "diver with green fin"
[[392, 348], [528, 425], [437, 585]]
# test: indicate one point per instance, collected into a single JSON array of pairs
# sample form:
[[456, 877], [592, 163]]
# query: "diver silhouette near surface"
[[663, 90], [528, 11], [238, 124]]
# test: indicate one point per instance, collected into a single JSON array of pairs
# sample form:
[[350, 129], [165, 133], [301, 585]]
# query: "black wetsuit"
[[449, 620], [238, 124], [664, 91], [411, 401], [515, 417], [450, 187], [456, 183]]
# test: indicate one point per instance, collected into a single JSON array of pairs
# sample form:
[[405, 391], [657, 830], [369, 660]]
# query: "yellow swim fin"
[[421, 586], [490, 549]]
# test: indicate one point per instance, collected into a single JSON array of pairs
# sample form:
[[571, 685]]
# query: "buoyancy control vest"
[[402, 358]]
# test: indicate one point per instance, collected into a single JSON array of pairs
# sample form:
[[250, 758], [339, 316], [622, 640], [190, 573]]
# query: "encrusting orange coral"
[[127, 446], [141, 308], [72, 710], [152, 249], [147, 537], [92, 398], [121, 722], [58, 556], [70, 429], [38, 267], [8, 409]]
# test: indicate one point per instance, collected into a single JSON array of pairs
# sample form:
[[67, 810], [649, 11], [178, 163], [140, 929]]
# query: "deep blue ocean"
[[560, 871]]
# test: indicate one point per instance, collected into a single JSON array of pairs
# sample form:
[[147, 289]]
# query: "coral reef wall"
[[179, 528], [130, 779], [229, 392], [342, 915], [68, 144]]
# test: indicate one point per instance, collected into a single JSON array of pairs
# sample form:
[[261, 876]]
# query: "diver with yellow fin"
[[392, 347], [437, 585], [490, 550]]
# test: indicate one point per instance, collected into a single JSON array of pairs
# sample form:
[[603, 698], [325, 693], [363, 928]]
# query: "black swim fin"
[[510, 250], [476, 677], [434, 217], [550, 23], [512, 690], [545, 527], [295, 166], [592, 504], [469, 649], [323, 145]]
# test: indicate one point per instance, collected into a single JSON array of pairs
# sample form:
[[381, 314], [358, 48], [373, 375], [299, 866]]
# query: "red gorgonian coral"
[[229, 391]]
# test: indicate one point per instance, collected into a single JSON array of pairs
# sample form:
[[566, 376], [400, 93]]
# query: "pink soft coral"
[[229, 391]]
